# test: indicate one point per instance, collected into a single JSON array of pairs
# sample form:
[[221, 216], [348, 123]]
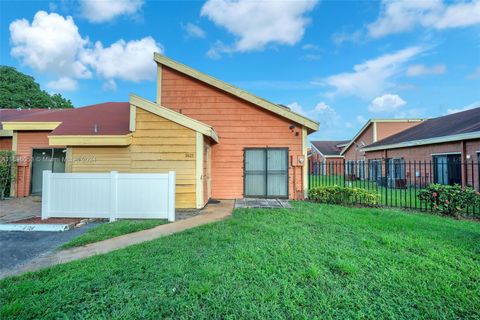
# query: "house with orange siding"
[[325, 157], [374, 130], [448, 146], [222, 142]]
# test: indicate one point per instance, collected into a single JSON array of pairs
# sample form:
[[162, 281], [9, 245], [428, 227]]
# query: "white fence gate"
[[109, 195]]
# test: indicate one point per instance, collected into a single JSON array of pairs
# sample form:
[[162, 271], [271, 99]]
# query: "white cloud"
[[361, 119], [322, 107], [421, 69], [130, 60], [63, 84], [340, 38], [194, 31], [296, 107], [311, 57], [474, 105], [257, 24], [372, 77], [388, 103], [404, 15], [50, 44], [475, 74], [98, 11], [109, 85], [310, 46]]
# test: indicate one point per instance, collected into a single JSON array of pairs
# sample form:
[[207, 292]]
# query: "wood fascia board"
[[133, 118], [90, 140], [19, 125], [6, 133], [159, 84], [174, 116], [398, 120], [420, 142], [330, 156], [305, 161], [272, 107], [199, 170]]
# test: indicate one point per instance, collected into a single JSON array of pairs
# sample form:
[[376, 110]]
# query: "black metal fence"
[[396, 181]]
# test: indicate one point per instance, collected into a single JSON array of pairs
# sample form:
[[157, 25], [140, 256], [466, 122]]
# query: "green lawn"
[[313, 261], [111, 230]]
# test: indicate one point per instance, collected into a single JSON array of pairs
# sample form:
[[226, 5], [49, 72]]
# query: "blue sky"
[[339, 62]]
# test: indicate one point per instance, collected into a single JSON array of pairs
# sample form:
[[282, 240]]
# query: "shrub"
[[449, 200], [7, 171], [342, 195]]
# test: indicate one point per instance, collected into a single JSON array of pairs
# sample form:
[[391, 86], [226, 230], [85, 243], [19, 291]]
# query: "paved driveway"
[[20, 208], [19, 247]]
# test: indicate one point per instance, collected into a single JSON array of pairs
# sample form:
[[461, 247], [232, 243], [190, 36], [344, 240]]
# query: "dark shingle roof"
[[329, 148], [110, 118], [457, 123]]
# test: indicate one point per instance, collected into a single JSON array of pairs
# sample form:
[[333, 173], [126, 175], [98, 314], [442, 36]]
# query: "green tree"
[[18, 90]]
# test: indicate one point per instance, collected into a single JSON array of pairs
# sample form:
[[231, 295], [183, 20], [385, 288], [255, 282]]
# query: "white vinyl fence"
[[109, 195]]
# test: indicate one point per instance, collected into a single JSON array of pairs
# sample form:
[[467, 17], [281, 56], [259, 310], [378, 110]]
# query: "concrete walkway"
[[212, 213]]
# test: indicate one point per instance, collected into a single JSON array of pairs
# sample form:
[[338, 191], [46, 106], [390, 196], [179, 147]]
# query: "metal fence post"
[[46, 193]]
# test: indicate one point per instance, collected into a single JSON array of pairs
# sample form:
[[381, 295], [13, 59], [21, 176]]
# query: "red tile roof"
[[111, 118]]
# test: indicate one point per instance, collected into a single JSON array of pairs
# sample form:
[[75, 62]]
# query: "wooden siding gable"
[[311, 125], [173, 116]]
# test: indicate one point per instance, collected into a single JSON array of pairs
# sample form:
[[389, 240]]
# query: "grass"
[[110, 230], [315, 260]]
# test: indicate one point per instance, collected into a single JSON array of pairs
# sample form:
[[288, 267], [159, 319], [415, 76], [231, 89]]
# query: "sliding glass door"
[[266, 173]]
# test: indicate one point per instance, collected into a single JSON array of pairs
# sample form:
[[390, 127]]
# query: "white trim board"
[[414, 143]]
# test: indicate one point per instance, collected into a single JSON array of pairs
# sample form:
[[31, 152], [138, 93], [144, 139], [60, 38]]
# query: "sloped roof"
[[12, 114], [459, 125], [110, 118], [329, 147], [372, 121]]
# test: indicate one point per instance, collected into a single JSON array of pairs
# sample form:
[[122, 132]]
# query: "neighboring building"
[[325, 157], [448, 147], [374, 130], [223, 142]]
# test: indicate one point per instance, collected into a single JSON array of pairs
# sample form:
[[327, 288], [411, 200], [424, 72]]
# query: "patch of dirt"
[[38, 220]]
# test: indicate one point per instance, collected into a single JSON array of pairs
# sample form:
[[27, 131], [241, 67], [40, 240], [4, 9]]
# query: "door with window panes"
[[266, 173]]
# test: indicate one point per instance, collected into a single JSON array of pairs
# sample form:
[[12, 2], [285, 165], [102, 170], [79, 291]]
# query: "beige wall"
[[158, 145]]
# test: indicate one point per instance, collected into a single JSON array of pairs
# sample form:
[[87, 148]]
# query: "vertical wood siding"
[[26, 142], [158, 145], [5, 143], [239, 125]]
